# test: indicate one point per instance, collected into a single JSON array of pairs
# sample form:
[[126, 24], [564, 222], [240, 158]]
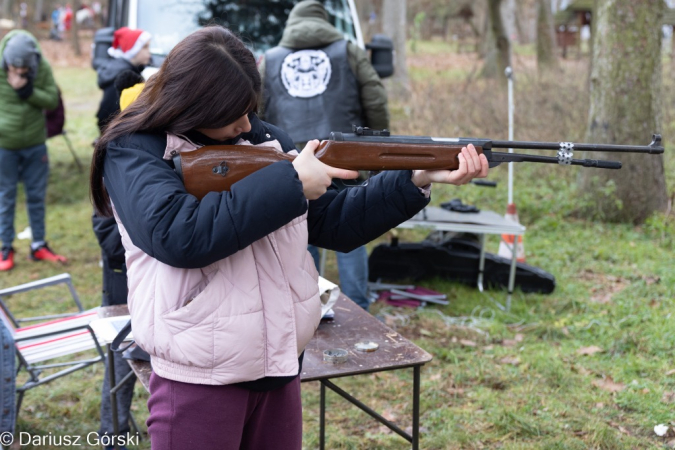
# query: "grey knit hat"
[[21, 51]]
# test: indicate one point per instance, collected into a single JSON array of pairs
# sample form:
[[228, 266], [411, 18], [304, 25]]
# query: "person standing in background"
[[27, 88], [316, 82], [130, 51], [55, 32]]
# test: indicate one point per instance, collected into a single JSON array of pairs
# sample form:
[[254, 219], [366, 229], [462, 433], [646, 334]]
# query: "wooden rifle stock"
[[215, 168]]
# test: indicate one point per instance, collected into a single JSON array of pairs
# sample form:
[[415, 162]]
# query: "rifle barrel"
[[653, 148]]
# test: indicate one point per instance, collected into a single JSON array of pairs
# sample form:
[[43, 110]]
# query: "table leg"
[[416, 409], [322, 418], [113, 393], [512, 273], [481, 262]]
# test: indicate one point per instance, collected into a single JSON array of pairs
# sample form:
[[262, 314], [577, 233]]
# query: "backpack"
[[55, 119]]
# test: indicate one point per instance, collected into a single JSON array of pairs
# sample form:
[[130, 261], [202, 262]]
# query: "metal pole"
[[509, 75], [322, 417], [416, 408]]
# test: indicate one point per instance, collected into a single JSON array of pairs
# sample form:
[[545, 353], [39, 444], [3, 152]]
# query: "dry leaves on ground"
[[607, 384], [592, 350], [513, 360]]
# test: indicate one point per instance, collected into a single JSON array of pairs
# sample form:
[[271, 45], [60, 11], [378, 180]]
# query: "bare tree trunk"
[[7, 9], [39, 9], [394, 25], [546, 54], [76, 38], [498, 55], [365, 8], [626, 108]]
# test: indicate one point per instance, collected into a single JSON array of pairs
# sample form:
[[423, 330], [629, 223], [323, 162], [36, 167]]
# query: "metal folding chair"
[[57, 336]]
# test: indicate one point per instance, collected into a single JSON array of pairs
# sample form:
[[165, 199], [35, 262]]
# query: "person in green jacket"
[[27, 88], [315, 82]]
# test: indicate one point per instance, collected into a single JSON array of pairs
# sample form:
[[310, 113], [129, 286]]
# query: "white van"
[[259, 23]]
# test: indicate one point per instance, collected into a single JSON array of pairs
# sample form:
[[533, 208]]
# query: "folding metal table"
[[350, 325], [480, 223]]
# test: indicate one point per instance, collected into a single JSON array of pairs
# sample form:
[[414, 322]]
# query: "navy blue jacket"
[[172, 226]]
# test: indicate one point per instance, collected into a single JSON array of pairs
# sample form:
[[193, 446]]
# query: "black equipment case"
[[456, 258]]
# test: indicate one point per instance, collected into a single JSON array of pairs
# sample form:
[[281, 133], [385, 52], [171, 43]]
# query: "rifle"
[[217, 167]]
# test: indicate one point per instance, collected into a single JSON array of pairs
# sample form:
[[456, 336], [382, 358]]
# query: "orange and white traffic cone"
[[507, 243]]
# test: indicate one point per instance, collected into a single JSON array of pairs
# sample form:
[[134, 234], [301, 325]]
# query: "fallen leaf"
[[592, 350], [457, 392], [600, 405], [489, 348], [607, 384], [581, 370], [518, 337], [389, 415], [384, 430], [435, 377], [670, 372], [668, 397], [651, 279], [645, 391], [513, 360], [424, 332], [509, 342], [467, 343]]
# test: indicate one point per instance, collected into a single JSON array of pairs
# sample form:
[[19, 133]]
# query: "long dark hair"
[[208, 80]]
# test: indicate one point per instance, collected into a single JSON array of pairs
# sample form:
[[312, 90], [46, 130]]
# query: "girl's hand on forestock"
[[471, 165], [316, 176]]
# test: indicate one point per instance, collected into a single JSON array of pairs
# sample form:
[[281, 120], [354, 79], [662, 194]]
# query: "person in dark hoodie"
[[27, 88], [115, 293], [130, 51], [316, 82]]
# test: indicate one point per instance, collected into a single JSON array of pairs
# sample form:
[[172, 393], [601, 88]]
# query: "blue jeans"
[[353, 268], [7, 385], [30, 166]]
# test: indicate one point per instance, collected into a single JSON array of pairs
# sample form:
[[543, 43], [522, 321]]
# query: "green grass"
[[472, 398]]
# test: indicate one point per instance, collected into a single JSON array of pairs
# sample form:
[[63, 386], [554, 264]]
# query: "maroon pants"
[[195, 416]]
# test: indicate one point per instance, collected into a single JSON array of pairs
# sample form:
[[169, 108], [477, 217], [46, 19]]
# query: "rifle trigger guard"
[[221, 169], [565, 153]]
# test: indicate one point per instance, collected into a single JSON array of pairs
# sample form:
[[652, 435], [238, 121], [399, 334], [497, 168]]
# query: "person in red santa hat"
[[130, 51]]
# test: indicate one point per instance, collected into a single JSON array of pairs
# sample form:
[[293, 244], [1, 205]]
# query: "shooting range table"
[[480, 223], [351, 325]]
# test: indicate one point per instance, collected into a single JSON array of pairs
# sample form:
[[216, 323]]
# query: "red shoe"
[[7, 258], [44, 253]]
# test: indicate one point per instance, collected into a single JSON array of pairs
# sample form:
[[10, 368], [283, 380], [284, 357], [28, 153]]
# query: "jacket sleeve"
[[372, 92], [352, 217], [45, 93], [172, 226], [108, 236]]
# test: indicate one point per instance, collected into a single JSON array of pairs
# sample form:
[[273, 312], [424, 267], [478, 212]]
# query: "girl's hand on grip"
[[316, 176], [471, 165]]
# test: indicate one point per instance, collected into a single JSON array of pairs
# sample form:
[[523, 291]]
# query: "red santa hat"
[[127, 42]]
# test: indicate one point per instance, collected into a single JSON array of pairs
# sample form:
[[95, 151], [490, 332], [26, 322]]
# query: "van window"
[[259, 23]]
